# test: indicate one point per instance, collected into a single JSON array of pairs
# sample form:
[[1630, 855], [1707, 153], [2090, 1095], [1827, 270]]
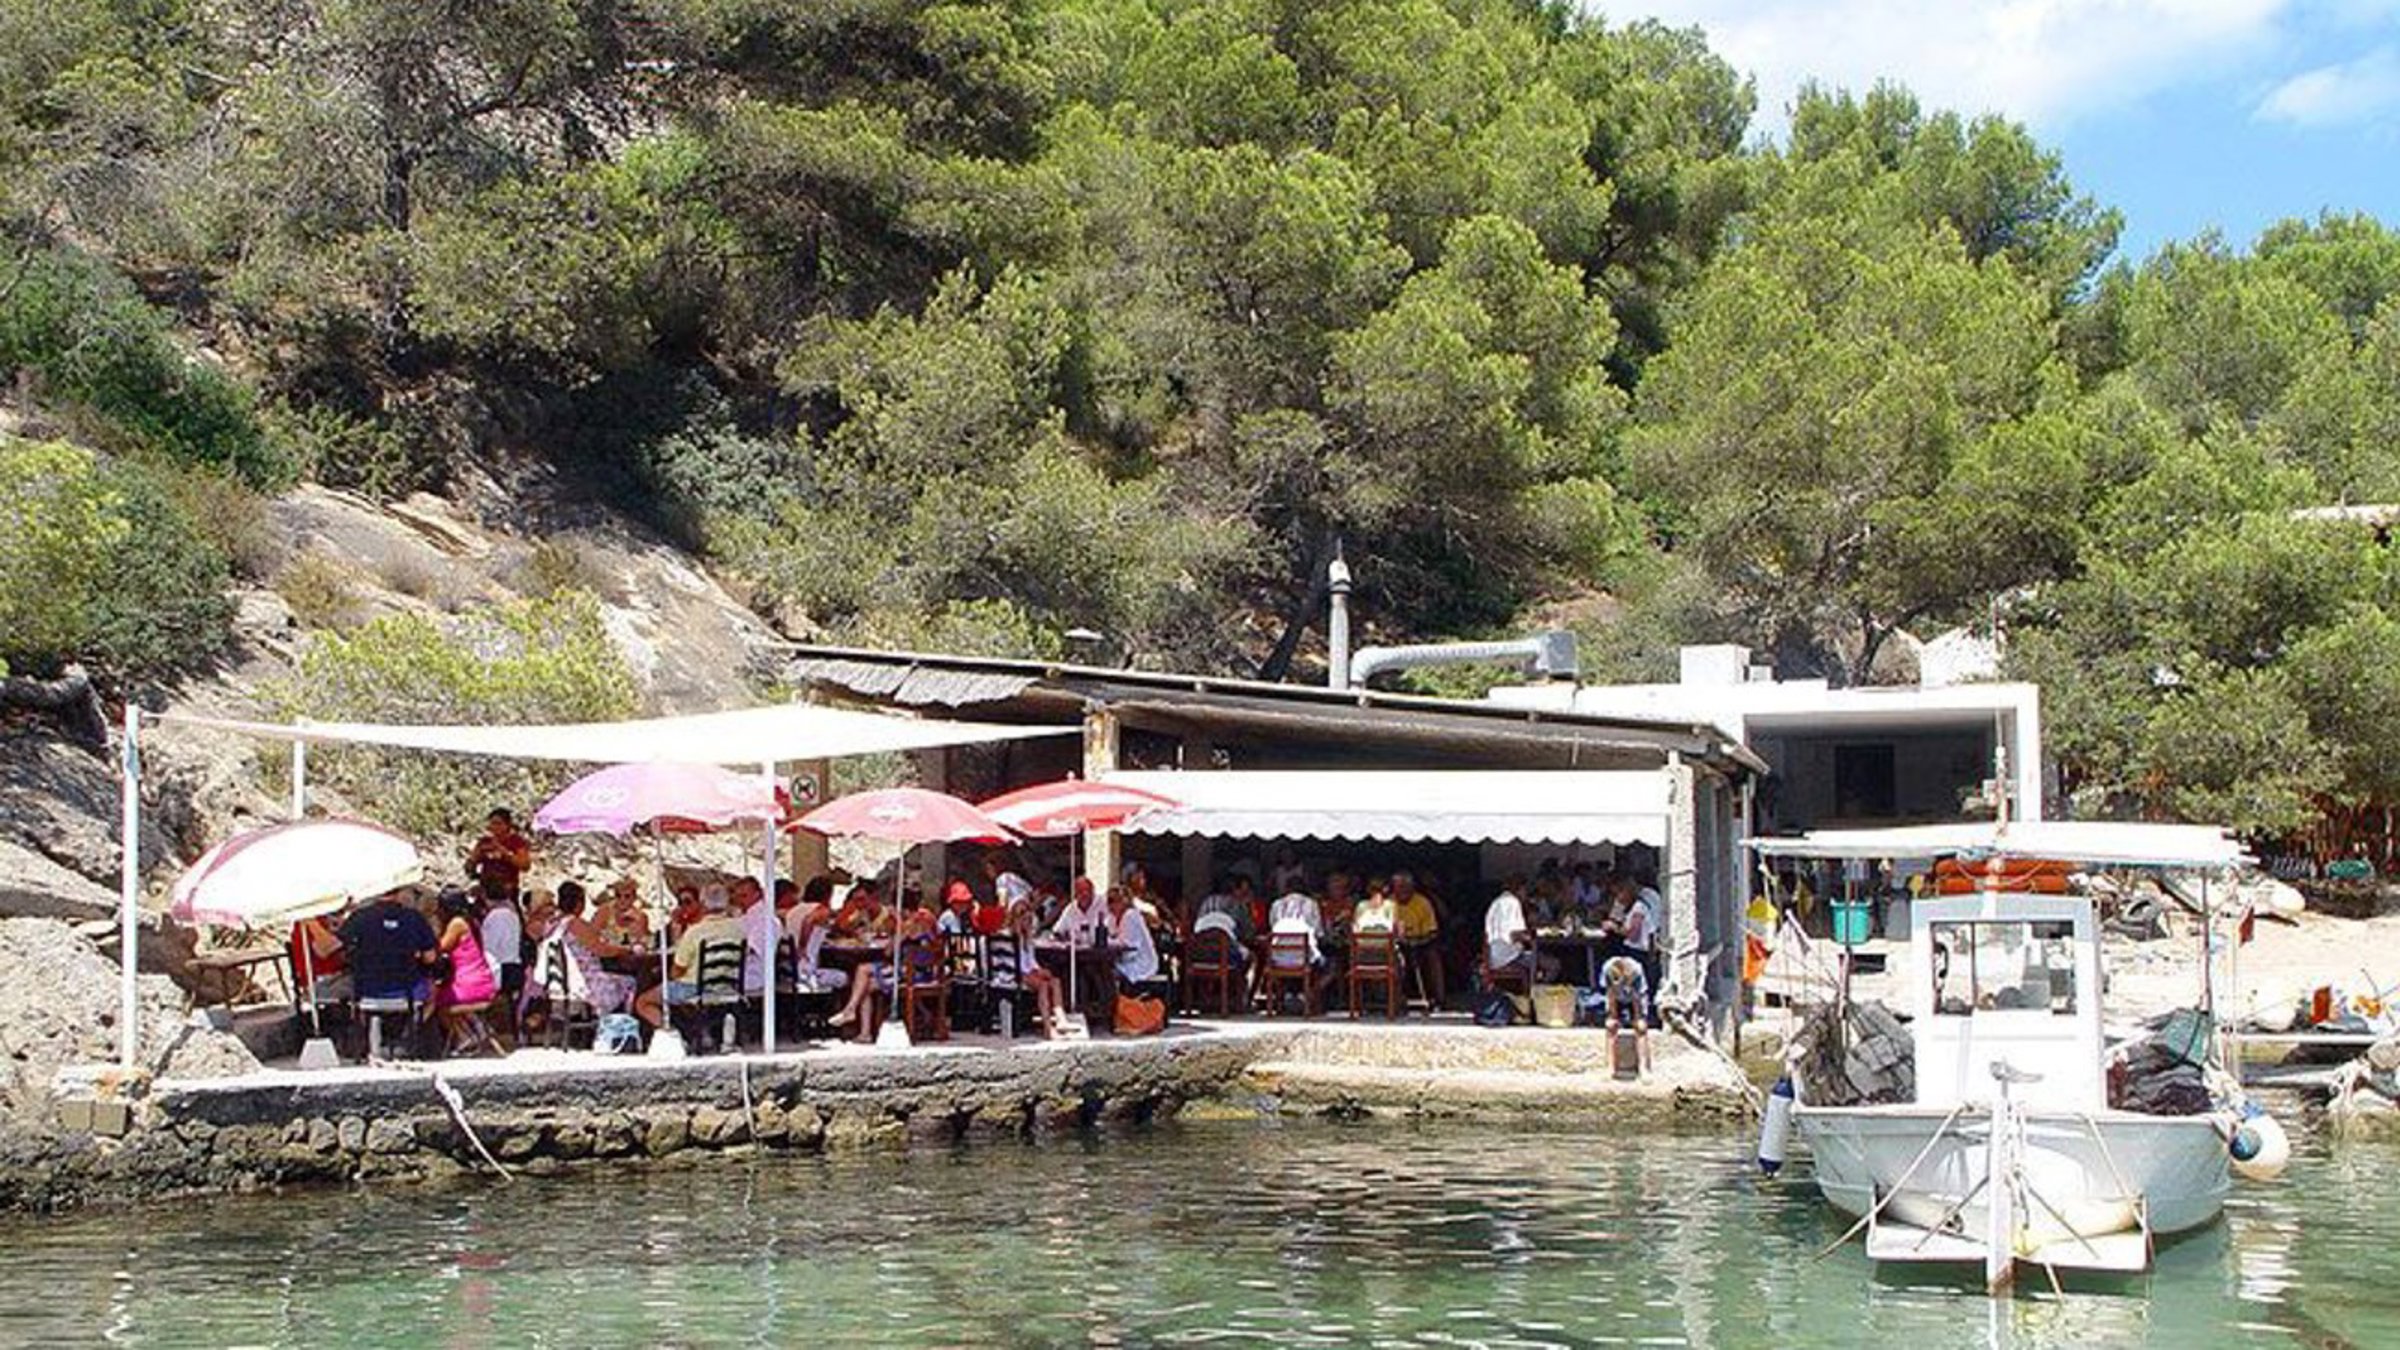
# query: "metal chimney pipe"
[[1337, 626]]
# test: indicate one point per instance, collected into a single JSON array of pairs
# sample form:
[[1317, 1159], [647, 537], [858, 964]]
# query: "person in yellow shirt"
[[1420, 921]]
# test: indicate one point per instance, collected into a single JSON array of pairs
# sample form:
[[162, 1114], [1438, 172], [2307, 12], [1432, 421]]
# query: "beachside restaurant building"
[[1460, 793]]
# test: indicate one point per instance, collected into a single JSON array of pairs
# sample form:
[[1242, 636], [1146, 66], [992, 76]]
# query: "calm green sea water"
[[1221, 1233]]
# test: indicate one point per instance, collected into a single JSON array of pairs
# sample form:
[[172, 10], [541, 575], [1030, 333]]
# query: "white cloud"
[[2043, 62], [2342, 94]]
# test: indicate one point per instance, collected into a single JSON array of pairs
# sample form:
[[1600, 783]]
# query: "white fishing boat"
[[2010, 1153]]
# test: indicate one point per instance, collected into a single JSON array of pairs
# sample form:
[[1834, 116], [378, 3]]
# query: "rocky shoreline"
[[279, 1129]]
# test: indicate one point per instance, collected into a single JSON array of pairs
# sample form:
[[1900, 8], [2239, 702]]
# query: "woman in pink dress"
[[471, 986]]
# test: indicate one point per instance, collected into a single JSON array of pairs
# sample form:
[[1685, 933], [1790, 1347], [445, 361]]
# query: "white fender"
[[1775, 1127], [2260, 1148]]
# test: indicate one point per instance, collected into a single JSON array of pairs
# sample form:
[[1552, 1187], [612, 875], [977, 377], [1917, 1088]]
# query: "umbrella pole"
[[772, 956], [1074, 957], [308, 977], [658, 863]]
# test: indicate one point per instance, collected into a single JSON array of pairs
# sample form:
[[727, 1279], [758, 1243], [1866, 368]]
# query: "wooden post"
[[1100, 736]]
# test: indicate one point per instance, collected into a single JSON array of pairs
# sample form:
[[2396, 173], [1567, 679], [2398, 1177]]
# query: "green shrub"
[[99, 562], [325, 445], [524, 662], [320, 596], [94, 345]]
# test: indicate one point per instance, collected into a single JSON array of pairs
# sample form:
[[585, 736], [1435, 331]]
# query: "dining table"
[[1094, 978]]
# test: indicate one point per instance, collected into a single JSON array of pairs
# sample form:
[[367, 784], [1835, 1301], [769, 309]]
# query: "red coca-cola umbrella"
[[906, 816], [1066, 809], [1071, 806]]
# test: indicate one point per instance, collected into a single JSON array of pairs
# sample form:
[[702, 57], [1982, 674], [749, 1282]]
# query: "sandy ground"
[[2283, 961]]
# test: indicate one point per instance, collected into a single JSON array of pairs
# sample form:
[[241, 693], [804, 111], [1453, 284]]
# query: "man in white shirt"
[[1084, 922], [1137, 955], [1507, 941], [503, 939], [761, 930], [1298, 912]]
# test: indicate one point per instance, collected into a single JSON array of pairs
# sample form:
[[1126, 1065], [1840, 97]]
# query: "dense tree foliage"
[[965, 323]]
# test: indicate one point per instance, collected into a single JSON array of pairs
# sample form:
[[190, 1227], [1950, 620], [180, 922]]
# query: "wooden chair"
[[1004, 982], [1209, 967], [810, 1011], [924, 987], [1287, 964], [716, 991], [568, 1009], [970, 977], [1375, 961], [1518, 978]]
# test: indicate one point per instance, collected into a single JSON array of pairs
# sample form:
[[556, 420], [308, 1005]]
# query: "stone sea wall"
[[130, 1140]]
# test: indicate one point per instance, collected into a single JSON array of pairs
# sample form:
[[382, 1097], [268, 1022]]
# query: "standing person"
[[1641, 936], [1627, 990], [1009, 886], [499, 857], [1420, 923], [469, 988]]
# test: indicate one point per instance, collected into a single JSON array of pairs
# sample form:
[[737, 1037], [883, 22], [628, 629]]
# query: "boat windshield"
[[2004, 965]]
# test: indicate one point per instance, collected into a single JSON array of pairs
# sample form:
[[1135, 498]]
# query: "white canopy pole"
[[299, 779], [772, 956], [129, 889]]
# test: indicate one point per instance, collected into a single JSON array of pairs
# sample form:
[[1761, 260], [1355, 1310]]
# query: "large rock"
[[34, 886], [59, 1007], [61, 801]]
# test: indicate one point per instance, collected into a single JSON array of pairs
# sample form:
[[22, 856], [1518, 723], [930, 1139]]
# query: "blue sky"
[[2185, 115]]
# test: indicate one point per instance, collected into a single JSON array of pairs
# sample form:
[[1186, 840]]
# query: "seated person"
[[862, 915], [1339, 907], [470, 986], [808, 922], [1626, 988], [957, 918], [1049, 999], [1377, 913], [1232, 900], [1420, 925], [1083, 923], [1297, 914], [689, 909], [1129, 932], [319, 962], [1507, 941], [391, 950], [585, 947], [715, 925]]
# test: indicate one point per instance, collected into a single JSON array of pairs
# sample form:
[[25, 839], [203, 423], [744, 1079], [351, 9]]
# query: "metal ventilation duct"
[[1550, 655]]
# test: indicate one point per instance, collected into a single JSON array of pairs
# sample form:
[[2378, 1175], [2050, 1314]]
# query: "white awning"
[[2098, 842], [1470, 806], [745, 737]]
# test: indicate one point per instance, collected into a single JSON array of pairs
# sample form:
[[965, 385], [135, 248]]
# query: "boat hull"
[[2092, 1169]]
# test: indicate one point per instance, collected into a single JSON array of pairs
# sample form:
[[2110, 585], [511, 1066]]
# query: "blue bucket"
[[1851, 921]]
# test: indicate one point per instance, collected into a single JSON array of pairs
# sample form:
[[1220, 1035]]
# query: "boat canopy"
[[2097, 842]]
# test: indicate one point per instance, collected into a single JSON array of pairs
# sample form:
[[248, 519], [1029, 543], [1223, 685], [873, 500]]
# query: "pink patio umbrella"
[[906, 816], [620, 798], [286, 873], [1066, 809], [666, 797]]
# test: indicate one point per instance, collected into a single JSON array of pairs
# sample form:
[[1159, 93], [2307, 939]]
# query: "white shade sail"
[[1435, 806], [2098, 842], [748, 737]]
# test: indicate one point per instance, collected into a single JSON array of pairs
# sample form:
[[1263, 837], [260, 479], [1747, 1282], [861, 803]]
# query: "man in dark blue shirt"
[[391, 949]]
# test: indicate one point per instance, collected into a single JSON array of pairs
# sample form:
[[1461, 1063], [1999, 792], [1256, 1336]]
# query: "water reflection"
[[1204, 1234]]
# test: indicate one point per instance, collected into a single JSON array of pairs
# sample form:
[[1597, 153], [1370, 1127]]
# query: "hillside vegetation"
[[963, 324]]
